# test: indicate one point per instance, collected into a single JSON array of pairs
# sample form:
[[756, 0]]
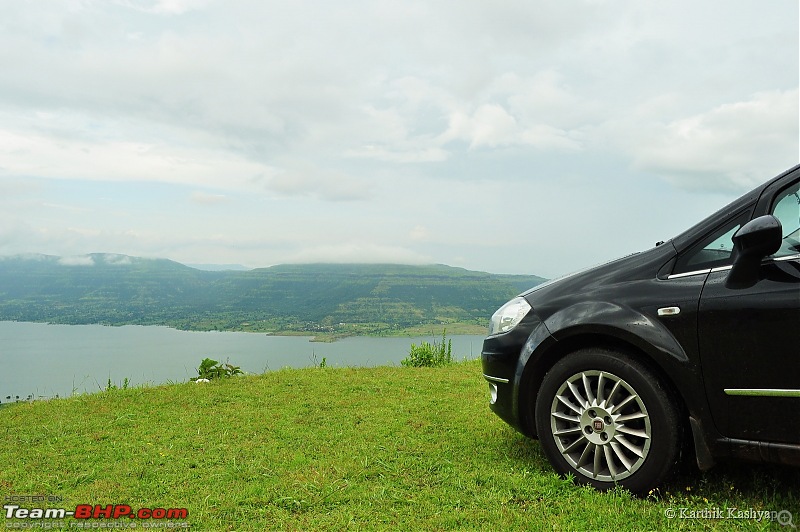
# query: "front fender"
[[646, 333], [539, 341]]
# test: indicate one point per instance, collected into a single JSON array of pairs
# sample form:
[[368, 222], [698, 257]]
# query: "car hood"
[[641, 265]]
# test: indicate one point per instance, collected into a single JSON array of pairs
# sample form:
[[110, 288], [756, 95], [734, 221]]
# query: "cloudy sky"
[[514, 136]]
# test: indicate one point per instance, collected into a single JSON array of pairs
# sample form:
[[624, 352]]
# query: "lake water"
[[45, 360]]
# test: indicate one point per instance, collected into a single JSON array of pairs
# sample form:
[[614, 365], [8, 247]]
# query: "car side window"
[[713, 251], [786, 208]]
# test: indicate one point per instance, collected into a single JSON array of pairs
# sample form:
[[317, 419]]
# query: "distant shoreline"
[[320, 336]]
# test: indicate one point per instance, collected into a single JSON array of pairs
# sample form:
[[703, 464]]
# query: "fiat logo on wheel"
[[598, 425]]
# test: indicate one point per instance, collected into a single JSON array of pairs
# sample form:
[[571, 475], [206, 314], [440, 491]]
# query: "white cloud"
[[419, 233], [167, 7], [84, 260], [38, 257], [729, 146], [204, 198], [492, 126], [113, 259], [27, 154], [308, 180], [405, 152]]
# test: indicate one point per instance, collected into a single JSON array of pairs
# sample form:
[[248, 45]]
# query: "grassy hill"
[[388, 448], [318, 298]]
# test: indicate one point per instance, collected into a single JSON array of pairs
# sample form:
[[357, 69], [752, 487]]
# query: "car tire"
[[606, 419]]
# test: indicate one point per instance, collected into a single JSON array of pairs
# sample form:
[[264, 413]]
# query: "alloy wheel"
[[600, 425]]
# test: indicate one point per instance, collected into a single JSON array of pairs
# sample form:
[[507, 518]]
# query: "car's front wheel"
[[605, 418]]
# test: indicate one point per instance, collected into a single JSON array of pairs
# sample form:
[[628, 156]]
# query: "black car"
[[694, 343]]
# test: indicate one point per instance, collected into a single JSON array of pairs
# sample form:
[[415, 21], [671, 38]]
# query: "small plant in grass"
[[430, 354], [124, 386], [211, 369], [319, 363]]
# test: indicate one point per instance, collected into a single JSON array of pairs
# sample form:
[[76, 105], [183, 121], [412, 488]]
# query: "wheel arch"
[[539, 362]]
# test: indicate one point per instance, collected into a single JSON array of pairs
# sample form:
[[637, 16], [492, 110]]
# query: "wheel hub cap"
[[597, 425]]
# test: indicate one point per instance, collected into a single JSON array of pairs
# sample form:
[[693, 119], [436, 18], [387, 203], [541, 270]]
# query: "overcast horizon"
[[514, 137]]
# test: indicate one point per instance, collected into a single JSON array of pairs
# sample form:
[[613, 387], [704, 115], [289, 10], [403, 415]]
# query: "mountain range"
[[335, 299]]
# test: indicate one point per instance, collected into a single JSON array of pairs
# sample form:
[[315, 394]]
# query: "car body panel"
[[759, 352]]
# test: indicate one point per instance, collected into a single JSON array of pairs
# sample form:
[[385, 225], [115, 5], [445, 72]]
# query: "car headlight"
[[508, 316]]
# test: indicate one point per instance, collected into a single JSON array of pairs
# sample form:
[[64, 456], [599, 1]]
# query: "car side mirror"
[[752, 242]]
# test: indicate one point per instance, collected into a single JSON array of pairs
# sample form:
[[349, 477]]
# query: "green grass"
[[339, 448]]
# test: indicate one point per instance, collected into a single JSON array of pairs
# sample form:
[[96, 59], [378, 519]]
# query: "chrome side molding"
[[763, 392]]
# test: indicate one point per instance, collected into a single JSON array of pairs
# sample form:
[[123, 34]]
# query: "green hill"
[[335, 299]]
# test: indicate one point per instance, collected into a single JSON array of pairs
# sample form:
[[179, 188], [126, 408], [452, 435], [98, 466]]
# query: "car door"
[[749, 338]]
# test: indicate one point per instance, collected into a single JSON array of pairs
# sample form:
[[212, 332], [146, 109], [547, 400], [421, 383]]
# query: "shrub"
[[211, 369], [430, 355]]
